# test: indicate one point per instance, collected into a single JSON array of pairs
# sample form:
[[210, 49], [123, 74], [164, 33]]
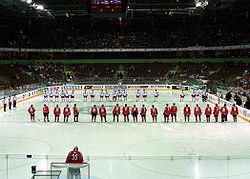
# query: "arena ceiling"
[[136, 8]]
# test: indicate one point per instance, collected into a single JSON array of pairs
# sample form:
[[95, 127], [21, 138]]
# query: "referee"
[[4, 104]]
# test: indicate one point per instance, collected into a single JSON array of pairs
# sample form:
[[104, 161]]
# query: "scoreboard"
[[108, 8]]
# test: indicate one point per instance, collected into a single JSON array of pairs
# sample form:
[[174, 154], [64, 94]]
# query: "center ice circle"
[[168, 156]]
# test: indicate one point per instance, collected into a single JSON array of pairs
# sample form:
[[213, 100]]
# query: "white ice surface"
[[126, 150]]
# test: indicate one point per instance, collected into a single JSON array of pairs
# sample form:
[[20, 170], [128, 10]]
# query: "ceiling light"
[[40, 7]]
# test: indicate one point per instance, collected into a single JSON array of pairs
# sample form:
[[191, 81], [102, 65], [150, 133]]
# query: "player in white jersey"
[[85, 96], [125, 95], [196, 95], [114, 94], [72, 96], [107, 95], [193, 96], [62, 96], [92, 95], [102, 94], [137, 95], [182, 95], [156, 95], [144, 95], [66, 96], [45, 97], [57, 96], [51, 96], [119, 95], [4, 101]]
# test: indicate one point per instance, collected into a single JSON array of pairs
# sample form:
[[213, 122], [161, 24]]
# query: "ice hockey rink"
[[125, 150]]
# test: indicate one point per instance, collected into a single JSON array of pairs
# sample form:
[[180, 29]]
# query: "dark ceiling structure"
[[134, 8]]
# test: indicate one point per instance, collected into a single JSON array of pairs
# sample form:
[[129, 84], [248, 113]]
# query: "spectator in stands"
[[228, 96], [247, 104], [237, 99]]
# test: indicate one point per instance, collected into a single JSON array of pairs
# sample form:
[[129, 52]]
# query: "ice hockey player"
[[224, 113], [174, 110], [208, 112], [46, 113], [92, 95], [116, 112], [66, 113], [144, 95], [216, 112], [187, 112], [75, 113], [143, 113], [103, 113], [135, 113], [94, 112], [85, 96], [234, 112], [32, 111], [125, 111], [166, 113], [154, 113], [57, 112], [197, 113], [156, 95]]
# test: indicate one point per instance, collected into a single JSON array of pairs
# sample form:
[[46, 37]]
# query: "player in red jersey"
[[154, 113], [94, 112], [74, 157], [208, 112], [57, 112], [187, 112], [102, 112], [216, 112], [224, 113], [197, 113], [166, 113], [75, 113], [32, 111], [234, 112], [46, 113], [116, 112], [143, 113], [66, 112], [174, 110], [125, 112], [135, 113]]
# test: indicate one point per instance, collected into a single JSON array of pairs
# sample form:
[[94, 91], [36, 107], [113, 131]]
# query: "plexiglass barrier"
[[124, 167]]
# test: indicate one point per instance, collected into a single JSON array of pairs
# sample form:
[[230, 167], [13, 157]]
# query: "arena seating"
[[58, 73], [222, 31]]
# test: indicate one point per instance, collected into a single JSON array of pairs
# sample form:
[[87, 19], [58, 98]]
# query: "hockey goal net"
[[72, 170]]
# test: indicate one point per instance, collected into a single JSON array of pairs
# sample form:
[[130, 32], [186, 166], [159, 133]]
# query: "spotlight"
[[40, 7]]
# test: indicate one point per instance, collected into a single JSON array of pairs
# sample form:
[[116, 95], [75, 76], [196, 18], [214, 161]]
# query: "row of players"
[[119, 95], [168, 111], [9, 101]]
